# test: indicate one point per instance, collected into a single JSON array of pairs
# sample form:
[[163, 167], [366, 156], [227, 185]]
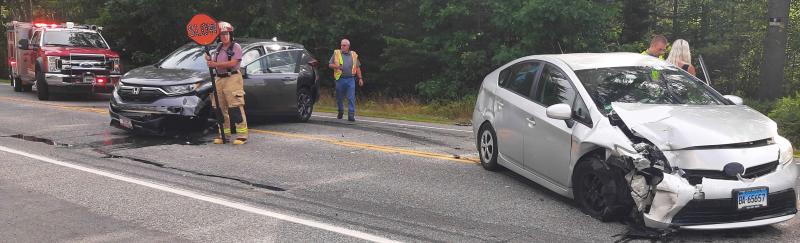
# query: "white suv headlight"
[[786, 150], [52, 64]]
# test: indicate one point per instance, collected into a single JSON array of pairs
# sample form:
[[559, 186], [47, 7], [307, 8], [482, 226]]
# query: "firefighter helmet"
[[225, 26]]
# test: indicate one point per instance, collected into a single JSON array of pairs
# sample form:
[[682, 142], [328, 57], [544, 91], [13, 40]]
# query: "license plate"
[[750, 198], [125, 122], [88, 79]]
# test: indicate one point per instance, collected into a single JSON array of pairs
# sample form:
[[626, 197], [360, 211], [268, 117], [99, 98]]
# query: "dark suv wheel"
[[305, 104], [600, 190]]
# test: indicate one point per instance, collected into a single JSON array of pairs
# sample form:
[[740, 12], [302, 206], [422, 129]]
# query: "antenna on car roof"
[[559, 47]]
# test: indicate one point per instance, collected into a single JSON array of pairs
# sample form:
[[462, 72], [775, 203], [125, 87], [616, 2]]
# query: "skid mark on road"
[[387, 149]]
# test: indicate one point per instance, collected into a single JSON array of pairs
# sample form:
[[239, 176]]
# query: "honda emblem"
[[136, 90]]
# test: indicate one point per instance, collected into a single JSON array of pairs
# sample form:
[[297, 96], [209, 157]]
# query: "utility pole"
[[772, 69]]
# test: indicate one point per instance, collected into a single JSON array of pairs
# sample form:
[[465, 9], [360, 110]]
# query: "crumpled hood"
[[674, 127], [153, 76]]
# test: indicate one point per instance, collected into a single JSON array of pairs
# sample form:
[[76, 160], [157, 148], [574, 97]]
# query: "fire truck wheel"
[[17, 84], [41, 87]]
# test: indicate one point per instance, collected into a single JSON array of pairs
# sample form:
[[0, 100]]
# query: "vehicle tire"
[[42, 91], [17, 84], [487, 147], [600, 190], [305, 105]]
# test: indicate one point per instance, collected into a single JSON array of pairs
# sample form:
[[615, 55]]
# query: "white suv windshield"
[[74, 39], [645, 85]]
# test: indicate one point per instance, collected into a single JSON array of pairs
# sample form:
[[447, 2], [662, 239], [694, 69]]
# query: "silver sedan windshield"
[[645, 85]]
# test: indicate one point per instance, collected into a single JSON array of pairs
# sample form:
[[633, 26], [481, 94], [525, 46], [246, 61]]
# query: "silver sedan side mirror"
[[735, 99], [559, 111]]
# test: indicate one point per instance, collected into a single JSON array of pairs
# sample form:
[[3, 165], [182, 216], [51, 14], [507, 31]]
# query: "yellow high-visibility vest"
[[659, 56], [337, 55]]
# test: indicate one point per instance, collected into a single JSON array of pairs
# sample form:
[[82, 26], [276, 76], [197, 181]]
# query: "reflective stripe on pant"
[[346, 86], [231, 95]]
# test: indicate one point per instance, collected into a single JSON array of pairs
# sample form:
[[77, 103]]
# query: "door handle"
[[287, 79], [499, 105], [531, 122]]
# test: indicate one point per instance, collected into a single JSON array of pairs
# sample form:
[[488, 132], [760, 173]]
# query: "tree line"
[[439, 49]]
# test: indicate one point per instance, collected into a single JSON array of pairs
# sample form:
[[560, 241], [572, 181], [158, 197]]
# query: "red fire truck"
[[60, 58]]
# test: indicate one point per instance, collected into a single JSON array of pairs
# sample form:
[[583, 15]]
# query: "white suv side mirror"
[[735, 99], [559, 111]]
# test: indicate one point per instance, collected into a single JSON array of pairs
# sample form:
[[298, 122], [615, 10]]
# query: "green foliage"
[[442, 50], [787, 115], [763, 106]]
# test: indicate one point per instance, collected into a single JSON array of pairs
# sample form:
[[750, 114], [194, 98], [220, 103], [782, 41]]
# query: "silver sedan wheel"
[[487, 146]]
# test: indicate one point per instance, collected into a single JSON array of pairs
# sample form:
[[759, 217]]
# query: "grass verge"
[[797, 154], [5, 81], [409, 109]]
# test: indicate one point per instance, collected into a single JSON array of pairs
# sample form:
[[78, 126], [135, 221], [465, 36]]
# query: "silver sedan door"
[[549, 141], [512, 98]]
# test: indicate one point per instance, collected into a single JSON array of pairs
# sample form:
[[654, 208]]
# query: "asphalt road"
[[66, 175]]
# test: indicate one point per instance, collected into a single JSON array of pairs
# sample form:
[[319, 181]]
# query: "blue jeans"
[[346, 86]]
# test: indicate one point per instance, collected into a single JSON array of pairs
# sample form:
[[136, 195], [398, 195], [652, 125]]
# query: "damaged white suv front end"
[[718, 167]]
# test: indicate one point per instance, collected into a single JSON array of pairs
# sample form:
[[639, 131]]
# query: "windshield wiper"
[[56, 44]]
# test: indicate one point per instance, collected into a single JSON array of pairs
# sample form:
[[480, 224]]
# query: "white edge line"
[[214, 200], [402, 124]]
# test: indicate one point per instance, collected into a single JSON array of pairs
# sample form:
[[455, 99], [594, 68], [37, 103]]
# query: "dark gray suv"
[[280, 79]]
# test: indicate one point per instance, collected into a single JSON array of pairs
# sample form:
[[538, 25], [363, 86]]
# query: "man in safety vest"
[[346, 68], [230, 85], [658, 46]]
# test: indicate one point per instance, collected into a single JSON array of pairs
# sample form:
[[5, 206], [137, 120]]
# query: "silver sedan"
[[627, 135]]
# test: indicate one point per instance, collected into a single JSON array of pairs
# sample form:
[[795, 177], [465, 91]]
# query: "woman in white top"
[[681, 57]]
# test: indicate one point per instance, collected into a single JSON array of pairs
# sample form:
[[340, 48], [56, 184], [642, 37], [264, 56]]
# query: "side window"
[[256, 67], [251, 55], [36, 37], [282, 62], [306, 57], [520, 79], [554, 88], [580, 112], [503, 77]]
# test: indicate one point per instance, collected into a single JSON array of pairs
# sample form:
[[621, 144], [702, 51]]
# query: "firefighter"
[[230, 88]]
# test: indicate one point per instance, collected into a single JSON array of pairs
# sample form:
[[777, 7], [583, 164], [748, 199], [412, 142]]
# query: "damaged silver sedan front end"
[[681, 176], [633, 138]]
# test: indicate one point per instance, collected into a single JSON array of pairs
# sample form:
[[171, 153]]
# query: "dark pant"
[[346, 86]]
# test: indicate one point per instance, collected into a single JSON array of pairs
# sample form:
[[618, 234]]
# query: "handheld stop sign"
[[203, 30]]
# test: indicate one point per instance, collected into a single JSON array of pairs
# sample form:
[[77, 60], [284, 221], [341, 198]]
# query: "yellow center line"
[[344, 143]]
